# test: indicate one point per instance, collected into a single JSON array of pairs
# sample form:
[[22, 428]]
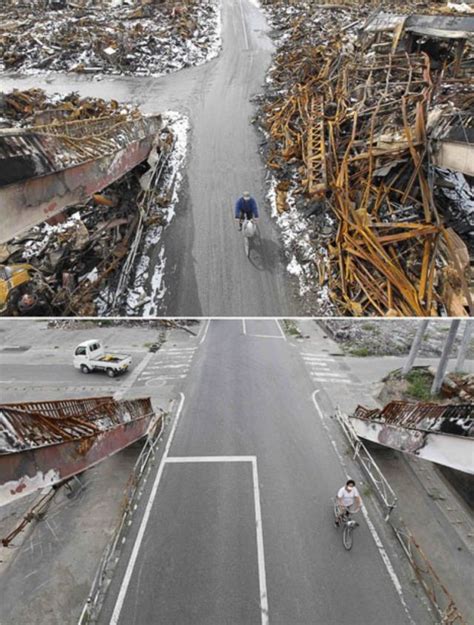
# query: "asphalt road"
[[236, 525], [207, 273]]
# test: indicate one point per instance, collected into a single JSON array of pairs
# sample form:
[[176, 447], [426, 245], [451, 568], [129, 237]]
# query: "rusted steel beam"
[[44, 443], [68, 163], [442, 434]]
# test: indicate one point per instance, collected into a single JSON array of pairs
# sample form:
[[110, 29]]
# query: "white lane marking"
[[138, 541], [264, 336], [161, 380], [329, 381], [281, 329], [262, 577], [132, 377], [184, 459], [173, 350], [244, 26], [166, 366], [327, 374], [381, 549], [308, 356], [203, 338], [314, 365], [153, 370], [155, 382]]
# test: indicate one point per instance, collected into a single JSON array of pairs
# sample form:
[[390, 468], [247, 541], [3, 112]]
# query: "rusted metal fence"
[[436, 591]]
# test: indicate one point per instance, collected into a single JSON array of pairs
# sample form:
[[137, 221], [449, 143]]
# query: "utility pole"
[[443, 361], [466, 338], [415, 346]]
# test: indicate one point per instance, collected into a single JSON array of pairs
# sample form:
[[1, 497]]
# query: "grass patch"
[[291, 328], [360, 351], [419, 384]]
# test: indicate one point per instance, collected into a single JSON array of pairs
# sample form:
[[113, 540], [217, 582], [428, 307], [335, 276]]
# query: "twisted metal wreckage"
[[44, 443], [101, 161], [357, 116]]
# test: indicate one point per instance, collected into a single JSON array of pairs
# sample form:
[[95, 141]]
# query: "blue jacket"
[[246, 206]]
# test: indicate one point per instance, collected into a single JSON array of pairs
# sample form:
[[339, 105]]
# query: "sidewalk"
[[432, 510]]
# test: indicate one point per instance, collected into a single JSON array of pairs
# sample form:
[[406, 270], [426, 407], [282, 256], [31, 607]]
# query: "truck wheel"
[[85, 369], [111, 373]]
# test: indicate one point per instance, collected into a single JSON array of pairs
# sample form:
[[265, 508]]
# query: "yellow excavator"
[[15, 281]]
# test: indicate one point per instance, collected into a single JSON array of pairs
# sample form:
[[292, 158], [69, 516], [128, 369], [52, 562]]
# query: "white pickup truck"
[[90, 356]]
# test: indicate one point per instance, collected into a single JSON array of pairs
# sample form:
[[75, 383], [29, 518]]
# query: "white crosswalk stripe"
[[324, 368], [169, 364]]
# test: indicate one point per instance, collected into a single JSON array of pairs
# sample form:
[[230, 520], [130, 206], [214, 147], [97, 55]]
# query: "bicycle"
[[348, 524], [249, 231]]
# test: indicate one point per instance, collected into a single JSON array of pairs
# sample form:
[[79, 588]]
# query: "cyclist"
[[348, 500], [246, 206]]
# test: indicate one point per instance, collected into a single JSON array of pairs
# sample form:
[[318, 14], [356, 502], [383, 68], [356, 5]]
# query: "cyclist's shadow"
[[264, 254]]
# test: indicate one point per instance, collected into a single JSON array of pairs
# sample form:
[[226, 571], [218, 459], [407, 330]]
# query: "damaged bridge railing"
[[436, 591], [45, 443]]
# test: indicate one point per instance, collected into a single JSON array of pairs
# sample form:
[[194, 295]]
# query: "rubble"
[[356, 104], [378, 338], [120, 38], [86, 259]]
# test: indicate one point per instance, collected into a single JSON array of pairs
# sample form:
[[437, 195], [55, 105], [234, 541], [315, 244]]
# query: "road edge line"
[[141, 532], [376, 538]]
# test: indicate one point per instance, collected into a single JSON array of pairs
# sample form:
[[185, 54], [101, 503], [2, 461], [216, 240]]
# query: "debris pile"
[[84, 260], [378, 338], [459, 386], [132, 38], [355, 106]]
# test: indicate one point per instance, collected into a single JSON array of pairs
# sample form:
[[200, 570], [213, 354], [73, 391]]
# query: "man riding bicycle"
[[246, 207], [348, 500]]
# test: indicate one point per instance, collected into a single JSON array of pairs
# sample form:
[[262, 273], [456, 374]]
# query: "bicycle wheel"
[[347, 536], [246, 246]]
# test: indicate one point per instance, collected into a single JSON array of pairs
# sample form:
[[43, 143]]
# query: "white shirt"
[[348, 497]]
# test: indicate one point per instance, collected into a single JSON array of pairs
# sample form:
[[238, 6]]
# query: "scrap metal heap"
[[44, 443], [111, 37], [353, 100], [83, 259]]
